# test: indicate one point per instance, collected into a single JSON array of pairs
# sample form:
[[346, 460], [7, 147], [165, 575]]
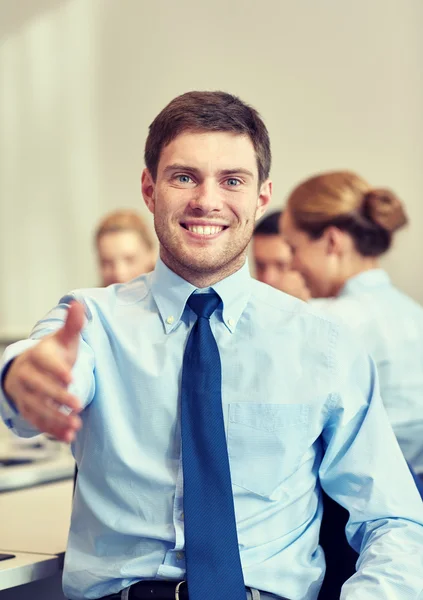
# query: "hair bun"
[[385, 209]]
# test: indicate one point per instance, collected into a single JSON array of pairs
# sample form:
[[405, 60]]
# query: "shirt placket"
[[175, 558]]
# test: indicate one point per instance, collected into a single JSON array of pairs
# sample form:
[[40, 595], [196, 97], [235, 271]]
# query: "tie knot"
[[204, 305]]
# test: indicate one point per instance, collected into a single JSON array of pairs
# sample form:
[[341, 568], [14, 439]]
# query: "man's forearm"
[[393, 543]]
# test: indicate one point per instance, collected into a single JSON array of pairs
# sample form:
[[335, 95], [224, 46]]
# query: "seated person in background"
[[338, 226], [273, 257], [125, 247]]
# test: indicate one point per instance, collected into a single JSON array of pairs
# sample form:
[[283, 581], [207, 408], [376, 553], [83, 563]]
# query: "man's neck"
[[203, 279]]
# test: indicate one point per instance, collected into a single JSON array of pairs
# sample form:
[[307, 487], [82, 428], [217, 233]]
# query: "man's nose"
[[207, 198]]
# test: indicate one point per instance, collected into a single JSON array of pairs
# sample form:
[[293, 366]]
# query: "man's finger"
[[45, 414], [41, 384], [45, 361]]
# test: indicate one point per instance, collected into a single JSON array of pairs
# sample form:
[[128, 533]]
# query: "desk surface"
[[34, 526], [26, 568], [36, 519]]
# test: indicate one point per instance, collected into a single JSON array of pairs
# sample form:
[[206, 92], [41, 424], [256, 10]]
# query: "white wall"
[[338, 83]]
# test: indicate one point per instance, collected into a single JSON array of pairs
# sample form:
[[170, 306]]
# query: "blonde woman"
[[338, 227], [125, 247]]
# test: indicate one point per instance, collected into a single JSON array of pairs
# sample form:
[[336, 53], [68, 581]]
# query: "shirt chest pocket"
[[265, 444]]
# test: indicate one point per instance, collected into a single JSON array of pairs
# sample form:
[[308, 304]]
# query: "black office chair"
[[418, 481], [340, 557]]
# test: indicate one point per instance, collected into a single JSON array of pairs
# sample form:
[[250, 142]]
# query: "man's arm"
[[47, 379], [363, 469]]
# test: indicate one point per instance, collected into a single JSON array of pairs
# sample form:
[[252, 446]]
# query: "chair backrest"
[[340, 557], [418, 480]]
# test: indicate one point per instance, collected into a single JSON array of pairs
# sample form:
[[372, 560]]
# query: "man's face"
[[205, 201], [123, 255], [273, 258]]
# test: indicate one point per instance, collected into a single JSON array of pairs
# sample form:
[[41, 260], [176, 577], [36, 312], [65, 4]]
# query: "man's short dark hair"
[[207, 111], [269, 225]]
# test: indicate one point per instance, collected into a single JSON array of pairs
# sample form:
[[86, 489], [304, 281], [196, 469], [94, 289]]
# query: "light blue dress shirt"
[[301, 402], [390, 325]]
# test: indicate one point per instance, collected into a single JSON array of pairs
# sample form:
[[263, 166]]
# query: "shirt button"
[[180, 556], [231, 322], [182, 516], [170, 320]]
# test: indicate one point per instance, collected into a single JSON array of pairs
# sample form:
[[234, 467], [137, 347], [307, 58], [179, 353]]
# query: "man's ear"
[[335, 240], [264, 198], [147, 189]]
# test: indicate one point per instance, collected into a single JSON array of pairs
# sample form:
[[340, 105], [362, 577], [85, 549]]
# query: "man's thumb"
[[69, 334]]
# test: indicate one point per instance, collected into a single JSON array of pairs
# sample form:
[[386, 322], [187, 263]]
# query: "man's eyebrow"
[[180, 167], [237, 171]]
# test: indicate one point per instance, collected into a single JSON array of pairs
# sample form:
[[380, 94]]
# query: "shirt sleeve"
[[364, 470], [83, 384]]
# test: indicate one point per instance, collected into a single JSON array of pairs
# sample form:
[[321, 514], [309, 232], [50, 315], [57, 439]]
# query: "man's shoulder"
[[306, 327], [102, 298], [346, 309], [276, 302]]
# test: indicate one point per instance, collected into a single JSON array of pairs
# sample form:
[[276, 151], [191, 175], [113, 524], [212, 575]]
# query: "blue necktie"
[[211, 544]]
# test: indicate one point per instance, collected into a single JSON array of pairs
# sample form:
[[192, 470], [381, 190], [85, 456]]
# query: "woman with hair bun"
[[338, 226]]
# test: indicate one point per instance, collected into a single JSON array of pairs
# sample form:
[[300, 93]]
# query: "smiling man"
[[207, 409]]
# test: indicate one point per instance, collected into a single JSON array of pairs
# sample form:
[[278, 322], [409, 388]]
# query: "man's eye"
[[232, 182], [184, 178]]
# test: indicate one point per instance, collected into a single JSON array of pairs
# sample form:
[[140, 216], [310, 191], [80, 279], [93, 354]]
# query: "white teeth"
[[206, 230]]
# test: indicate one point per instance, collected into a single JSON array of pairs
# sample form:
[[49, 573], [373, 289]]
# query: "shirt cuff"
[[9, 401]]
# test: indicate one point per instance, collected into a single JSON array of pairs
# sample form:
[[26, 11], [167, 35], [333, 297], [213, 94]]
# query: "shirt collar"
[[235, 292], [372, 278], [171, 292]]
